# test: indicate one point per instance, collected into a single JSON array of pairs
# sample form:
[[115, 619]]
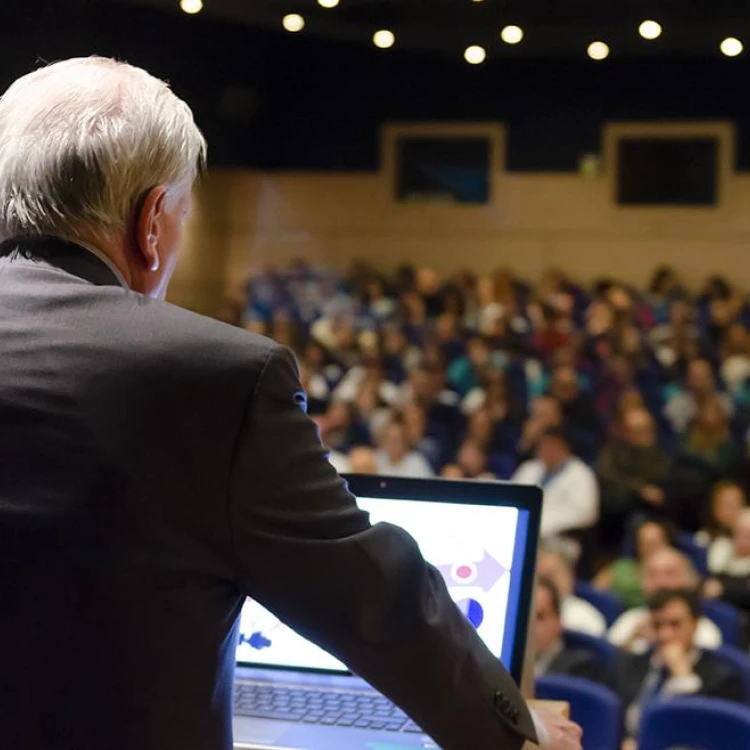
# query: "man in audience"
[[395, 457], [362, 460], [664, 570], [632, 472], [674, 665], [571, 492], [545, 414], [552, 655], [577, 407], [555, 562], [700, 386]]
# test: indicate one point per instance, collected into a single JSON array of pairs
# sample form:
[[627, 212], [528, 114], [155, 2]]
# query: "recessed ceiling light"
[[293, 22], [191, 6], [475, 54], [512, 34], [598, 51], [732, 47], [650, 29], [384, 39], [328, 3]]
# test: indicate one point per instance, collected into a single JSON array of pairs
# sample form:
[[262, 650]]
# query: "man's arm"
[[303, 549]]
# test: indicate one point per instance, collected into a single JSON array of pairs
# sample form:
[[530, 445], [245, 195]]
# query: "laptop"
[[482, 537]]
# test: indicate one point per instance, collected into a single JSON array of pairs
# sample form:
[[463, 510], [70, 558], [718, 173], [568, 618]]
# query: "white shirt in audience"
[[411, 465], [339, 461], [580, 615], [706, 636], [571, 495]]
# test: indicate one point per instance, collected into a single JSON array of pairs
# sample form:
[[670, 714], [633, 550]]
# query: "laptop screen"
[[480, 545]]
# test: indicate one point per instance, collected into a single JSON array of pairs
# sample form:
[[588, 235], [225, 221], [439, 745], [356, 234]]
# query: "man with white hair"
[[665, 570], [158, 466]]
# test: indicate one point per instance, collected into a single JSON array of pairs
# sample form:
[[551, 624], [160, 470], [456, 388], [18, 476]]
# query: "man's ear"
[[148, 225]]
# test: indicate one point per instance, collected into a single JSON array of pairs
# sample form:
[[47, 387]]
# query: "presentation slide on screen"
[[471, 546]]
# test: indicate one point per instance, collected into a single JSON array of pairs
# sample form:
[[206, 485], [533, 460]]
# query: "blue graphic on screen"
[[476, 548]]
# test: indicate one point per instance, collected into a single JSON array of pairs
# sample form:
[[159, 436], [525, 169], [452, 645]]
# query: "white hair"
[[83, 140]]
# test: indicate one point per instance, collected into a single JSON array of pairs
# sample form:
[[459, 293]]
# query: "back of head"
[[82, 141]]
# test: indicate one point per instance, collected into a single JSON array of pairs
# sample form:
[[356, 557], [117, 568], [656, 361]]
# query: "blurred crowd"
[[629, 407]]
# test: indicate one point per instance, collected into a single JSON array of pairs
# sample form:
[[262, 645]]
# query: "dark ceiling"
[[552, 27]]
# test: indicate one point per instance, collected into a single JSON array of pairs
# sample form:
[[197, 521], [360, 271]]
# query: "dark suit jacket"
[[719, 680], [157, 467], [577, 663]]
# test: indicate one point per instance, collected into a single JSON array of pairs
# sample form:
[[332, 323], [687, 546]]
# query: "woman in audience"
[[624, 577], [726, 503], [708, 445]]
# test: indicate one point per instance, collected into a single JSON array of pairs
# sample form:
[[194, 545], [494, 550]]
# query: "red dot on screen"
[[463, 571]]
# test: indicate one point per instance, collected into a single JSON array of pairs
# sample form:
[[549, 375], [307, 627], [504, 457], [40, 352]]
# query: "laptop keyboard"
[[323, 707]]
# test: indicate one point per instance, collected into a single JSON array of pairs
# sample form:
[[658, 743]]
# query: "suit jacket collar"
[[84, 261]]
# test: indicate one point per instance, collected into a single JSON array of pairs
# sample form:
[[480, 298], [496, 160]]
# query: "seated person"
[[664, 570], [674, 665], [632, 472], [571, 492], [472, 460], [557, 564], [551, 654], [726, 504], [708, 446], [362, 460], [700, 386], [624, 577], [396, 458], [732, 582], [546, 413]]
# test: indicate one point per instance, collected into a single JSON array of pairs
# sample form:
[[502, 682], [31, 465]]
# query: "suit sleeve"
[[305, 551]]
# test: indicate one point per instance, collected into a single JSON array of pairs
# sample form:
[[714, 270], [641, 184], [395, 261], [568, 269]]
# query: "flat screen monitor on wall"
[[443, 169], [667, 171]]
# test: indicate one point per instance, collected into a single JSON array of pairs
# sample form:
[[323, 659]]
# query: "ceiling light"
[[293, 22], [512, 34], [328, 3], [191, 6], [384, 39], [650, 30], [598, 51], [732, 47], [475, 54]]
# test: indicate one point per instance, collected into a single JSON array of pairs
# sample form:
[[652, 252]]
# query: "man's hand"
[[653, 495], [676, 659], [563, 734]]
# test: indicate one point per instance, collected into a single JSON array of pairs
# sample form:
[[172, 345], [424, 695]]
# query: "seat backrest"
[[726, 618], [594, 707], [706, 723], [607, 603], [604, 651], [739, 661]]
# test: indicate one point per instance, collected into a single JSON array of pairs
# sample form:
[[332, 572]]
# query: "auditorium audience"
[[556, 563], [673, 665], [571, 492], [644, 394], [664, 570], [552, 655]]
